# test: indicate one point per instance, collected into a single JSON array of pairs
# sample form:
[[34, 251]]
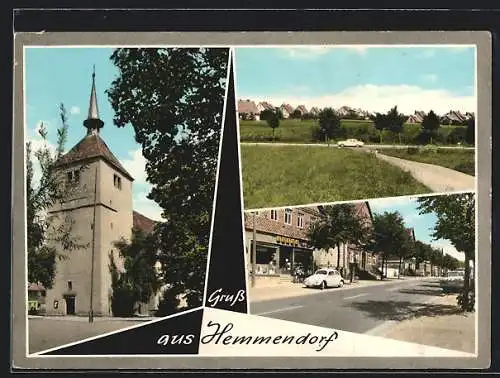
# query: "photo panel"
[[382, 270], [323, 123], [122, 152]]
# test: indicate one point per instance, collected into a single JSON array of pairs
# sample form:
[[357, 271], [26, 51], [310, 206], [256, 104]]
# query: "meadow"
[[304, 131], [297, 175], [459, 160]]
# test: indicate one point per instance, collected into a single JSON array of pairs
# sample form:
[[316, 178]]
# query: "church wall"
[[117, 222]]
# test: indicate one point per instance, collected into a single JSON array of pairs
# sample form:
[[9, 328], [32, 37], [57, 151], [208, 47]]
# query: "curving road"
[[435, 177]]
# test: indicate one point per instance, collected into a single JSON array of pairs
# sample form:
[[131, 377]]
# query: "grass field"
[[298, 131], [295, 175], [459, 160]]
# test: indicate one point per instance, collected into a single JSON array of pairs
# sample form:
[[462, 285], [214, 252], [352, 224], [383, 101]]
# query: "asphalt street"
[[360, 310]]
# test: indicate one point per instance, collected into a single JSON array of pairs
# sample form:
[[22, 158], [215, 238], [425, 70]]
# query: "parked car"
[[324, 278], [350, 143]]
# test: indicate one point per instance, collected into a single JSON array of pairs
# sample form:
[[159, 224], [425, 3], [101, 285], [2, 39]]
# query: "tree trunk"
[[466, 287], [382, 269], [273, 135], [399, 136], [399, 269], [338, 256]]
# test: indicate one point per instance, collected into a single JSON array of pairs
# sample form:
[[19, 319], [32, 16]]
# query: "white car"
[[323, 278], [350, 143]]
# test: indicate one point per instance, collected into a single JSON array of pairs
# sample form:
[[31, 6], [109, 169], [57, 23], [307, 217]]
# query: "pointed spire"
[[93, 123]]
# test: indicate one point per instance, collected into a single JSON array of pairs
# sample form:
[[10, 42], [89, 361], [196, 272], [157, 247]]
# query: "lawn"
[[295, 175], [302, 131], [459, 160]]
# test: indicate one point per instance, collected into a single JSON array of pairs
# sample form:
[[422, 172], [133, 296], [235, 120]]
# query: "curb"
[[346, 287]]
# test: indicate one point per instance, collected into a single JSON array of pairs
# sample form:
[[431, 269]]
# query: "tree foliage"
[[329, 124], [455, 222], [139, 280], [173, 98], [339, 224], [273, 117], [389, 236], [470, 135], [49, 235], [430, 126]]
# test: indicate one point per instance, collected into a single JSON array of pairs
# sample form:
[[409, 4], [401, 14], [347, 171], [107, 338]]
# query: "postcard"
[[229, 201]]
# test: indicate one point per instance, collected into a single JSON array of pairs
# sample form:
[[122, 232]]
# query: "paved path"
[[437, 178], [362, 310], [370, 146]]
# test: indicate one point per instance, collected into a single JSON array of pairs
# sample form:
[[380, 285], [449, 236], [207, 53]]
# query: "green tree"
[[338, 224], [389, 237], [49, 234], [329, 124], [173, 98], [395, 121], [430, 126], [405, 250], [140, 279], [470, 135], [296, 114], [455, 222], [381, 123], [273, 119]]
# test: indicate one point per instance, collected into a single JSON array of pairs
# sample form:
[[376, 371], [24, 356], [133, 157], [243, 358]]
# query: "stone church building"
[[103, 198]]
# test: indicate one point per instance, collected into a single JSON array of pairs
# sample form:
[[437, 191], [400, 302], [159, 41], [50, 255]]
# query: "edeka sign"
[[287, 241]]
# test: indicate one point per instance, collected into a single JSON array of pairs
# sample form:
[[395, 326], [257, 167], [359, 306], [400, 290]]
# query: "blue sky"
[[55, 75], [422, 223], [372, 78]]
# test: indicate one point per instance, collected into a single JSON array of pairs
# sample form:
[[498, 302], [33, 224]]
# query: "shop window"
[[117, 181], [300, 220], [274, 215], [288, 216]]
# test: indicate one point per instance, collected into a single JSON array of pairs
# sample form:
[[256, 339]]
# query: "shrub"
[[123, 301], [466, 167], [413, 150], [168, 304]]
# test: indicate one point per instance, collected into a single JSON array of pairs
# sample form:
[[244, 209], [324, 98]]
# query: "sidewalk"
[[444, 326], [290, 289]]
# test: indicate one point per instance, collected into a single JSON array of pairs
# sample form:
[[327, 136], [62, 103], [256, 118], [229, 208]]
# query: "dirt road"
[[436, 178]]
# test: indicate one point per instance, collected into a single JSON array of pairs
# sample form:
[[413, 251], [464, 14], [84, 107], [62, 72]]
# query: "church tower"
[[101, 211]]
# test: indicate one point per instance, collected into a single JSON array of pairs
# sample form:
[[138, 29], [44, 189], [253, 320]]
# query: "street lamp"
[[254, 250]]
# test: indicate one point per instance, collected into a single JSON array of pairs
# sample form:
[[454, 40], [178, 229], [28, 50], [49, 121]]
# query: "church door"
[[70, 305]]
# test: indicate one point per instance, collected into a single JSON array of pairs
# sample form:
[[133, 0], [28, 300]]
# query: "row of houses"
[[281, 243], [248, 109], [451, 118]]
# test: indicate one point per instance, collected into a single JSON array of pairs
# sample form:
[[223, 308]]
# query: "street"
[[366, 146], [362, 310], [50, 332]]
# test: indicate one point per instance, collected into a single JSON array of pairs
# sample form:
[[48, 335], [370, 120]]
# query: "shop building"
[[281, 243]]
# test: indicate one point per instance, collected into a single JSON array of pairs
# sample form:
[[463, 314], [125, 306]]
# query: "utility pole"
[[91, 309], [254, 250]]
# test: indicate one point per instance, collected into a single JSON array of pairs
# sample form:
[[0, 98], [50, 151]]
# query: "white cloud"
[[146, 206], [449, 249], [430, 78], [380, 98], [74, 110], [136, 166]]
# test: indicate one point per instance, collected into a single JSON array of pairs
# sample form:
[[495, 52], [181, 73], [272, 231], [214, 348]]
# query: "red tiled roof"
[[247, 106], [92, 146], [143, 223]]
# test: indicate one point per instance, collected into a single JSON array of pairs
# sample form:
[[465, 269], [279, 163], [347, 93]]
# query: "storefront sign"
[[287, 241]]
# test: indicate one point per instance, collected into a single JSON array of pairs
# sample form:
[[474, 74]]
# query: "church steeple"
[[93, 123]]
